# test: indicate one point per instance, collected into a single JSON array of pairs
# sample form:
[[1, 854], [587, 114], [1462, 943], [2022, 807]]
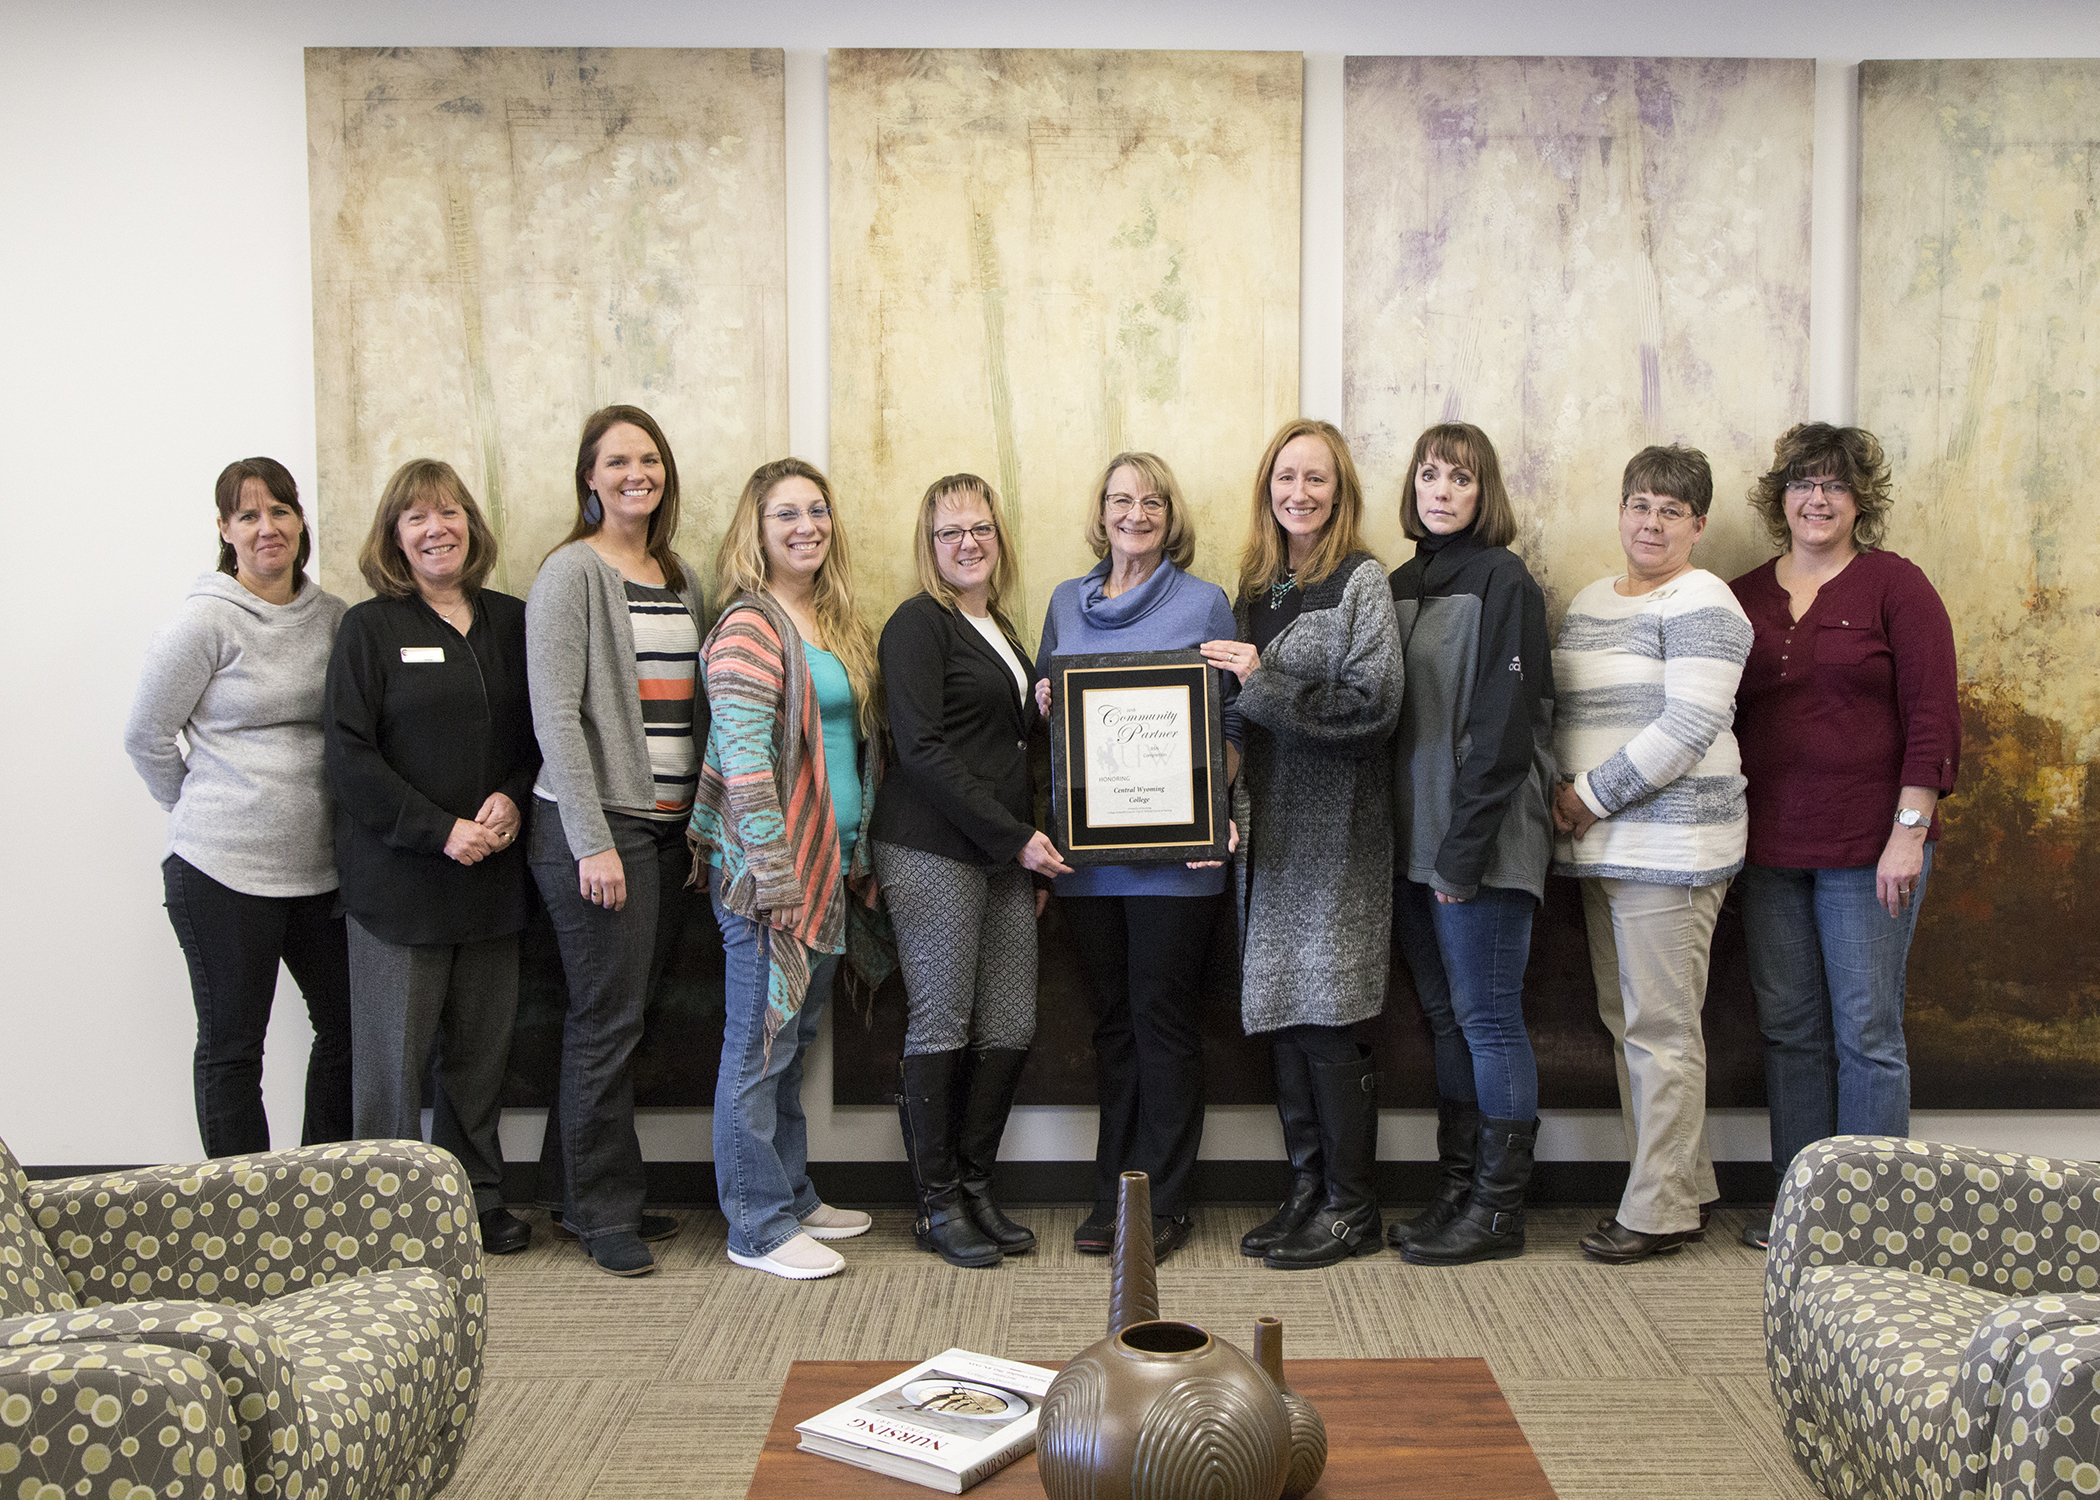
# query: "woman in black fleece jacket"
[[1473, 770]]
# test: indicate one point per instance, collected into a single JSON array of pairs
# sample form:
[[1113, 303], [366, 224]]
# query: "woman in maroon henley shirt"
[[1850, 734]]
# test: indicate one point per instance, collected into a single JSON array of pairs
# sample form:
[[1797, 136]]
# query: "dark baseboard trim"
[[691, 1184]]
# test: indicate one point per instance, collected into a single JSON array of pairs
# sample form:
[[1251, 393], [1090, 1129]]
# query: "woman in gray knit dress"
[[1318, 657]]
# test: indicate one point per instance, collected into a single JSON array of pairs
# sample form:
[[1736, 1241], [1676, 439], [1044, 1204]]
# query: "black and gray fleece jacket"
[[1473, 759]]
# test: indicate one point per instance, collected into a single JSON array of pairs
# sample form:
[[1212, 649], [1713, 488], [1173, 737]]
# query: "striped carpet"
[[1631, 1381]]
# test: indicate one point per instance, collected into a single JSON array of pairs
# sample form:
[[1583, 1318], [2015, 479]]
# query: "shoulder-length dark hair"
[[1267, 555], [1463, 446], [277, 479], [663, 522], [419, 482], [1850, 454]]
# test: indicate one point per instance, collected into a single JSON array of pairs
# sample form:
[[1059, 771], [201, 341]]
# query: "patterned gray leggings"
[[966, 937]]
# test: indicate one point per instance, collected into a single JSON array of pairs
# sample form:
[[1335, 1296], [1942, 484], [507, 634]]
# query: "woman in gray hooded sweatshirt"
[[250, 870]]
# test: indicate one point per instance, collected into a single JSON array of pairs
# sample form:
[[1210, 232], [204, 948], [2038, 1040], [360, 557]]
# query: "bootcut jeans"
[[1827, 964], [761, 1134]]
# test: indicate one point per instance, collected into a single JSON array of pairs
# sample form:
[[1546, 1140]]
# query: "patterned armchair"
[[1932, 1320], [301, 1324]]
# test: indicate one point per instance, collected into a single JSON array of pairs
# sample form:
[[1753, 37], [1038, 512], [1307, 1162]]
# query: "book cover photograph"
[[945, 1423]]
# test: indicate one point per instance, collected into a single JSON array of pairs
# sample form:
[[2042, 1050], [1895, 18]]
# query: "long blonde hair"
[[740, 567], [1005, 572], [1267, 556]]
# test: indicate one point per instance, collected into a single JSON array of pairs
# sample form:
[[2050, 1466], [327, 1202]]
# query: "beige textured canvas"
[[1979, 368], [1041, 258], [506, 239], [1581, 256]]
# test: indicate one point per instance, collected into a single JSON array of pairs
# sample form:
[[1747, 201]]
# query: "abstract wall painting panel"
[[1979, 368], [1040, 258], [1582, 256], [506, 238]]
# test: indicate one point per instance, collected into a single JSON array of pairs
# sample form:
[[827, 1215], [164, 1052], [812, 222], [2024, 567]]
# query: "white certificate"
[[1138, 754]]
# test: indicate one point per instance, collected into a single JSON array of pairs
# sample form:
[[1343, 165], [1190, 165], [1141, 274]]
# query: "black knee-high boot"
[[995, 1076], [1347, 1222], [925, 1107], [1301, 1142], [1492, 1227], [1457, 1148]]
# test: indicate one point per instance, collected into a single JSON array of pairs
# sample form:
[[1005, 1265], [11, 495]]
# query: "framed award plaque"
[[1137, 758]]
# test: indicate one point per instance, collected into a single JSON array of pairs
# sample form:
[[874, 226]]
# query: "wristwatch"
[[1910, 817]]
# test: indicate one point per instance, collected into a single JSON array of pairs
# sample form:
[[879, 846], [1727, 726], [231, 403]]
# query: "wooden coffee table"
[[1395, 1427]]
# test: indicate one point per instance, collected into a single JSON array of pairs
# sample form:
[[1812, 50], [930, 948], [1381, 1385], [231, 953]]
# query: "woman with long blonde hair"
[[957, 848], [1318, 659], [779, 833]]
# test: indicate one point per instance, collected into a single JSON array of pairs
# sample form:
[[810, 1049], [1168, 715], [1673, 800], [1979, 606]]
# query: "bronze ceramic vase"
[[1160, 1410]]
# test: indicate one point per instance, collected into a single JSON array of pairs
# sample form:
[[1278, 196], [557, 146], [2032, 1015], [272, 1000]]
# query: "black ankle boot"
[[1346, 1222], [1492, 1227], [995, 1075], [925, 1106], [1457, 1148], [1301, 1142]]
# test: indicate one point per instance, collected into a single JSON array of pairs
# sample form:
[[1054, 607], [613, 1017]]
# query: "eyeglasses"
[[1836, 489], [951, 536], [1122, 505], [1669, 515], [790, 517]]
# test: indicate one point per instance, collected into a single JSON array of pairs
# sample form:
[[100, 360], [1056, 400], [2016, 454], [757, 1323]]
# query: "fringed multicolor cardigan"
[[764, 805]]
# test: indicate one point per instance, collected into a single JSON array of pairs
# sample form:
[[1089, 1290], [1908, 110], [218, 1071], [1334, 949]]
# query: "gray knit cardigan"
[[1315, 868]]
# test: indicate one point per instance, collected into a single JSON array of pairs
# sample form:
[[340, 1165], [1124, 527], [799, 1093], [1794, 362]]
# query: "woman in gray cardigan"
[[612, 641], [1318, 657]]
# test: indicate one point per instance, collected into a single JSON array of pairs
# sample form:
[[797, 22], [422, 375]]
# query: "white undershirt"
[[996, 639]]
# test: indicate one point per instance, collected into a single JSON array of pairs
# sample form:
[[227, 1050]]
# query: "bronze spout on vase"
[[1160, 1410]]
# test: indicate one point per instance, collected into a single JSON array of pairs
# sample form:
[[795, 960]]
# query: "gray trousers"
[[460, 997], [1650, 947], [966, 942]]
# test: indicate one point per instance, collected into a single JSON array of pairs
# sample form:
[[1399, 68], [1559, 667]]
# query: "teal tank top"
[[841, 740]]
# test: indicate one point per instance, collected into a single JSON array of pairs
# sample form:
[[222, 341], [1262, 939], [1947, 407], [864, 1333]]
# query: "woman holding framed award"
[[1147, 926], [779, 831], [1473, 764], [955, 843], [1318, 660]]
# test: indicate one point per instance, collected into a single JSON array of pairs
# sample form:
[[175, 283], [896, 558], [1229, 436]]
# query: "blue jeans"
[[761, 1134], [1468, 961], [1827, 966]]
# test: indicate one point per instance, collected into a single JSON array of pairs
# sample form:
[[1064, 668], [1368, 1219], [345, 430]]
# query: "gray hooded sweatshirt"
[[240, 679]]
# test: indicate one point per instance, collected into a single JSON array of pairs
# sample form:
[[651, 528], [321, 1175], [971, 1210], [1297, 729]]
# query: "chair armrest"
[[243, 1229], [2030, 1382], [2020, 1225], [135, 1413]]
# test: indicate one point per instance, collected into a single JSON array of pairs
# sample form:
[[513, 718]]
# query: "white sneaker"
[[828, 1223], [800, 1259]]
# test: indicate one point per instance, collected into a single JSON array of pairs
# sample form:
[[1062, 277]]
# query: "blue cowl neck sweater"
[[1170, 611]]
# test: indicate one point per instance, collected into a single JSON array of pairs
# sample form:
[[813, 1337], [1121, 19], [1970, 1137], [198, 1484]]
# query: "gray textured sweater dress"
[[1315, 868]]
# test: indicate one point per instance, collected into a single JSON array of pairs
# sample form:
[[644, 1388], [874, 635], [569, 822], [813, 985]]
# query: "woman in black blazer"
[[954, 843]]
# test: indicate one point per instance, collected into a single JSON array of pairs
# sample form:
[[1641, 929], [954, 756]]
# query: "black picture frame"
[[1075, 744]]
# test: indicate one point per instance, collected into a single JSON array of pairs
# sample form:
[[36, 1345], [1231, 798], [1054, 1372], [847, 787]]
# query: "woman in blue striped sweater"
[[1651, 817]]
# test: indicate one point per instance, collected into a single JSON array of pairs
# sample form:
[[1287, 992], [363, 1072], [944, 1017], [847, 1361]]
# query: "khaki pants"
[[1650, 946]]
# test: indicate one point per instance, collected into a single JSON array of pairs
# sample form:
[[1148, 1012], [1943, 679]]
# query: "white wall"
[[156, 321]]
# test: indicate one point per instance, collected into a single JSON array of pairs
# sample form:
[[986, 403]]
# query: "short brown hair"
[[1850, 454], [663, 521], [1267, 555], [1463, 446], [1180, 544], [1672, 473], [277, 479], [1005, 572], [418, 482]]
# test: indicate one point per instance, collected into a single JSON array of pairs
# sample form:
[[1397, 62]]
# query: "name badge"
[[422, 653]]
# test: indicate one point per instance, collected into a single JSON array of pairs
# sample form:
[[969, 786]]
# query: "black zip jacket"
[[416, 742]]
